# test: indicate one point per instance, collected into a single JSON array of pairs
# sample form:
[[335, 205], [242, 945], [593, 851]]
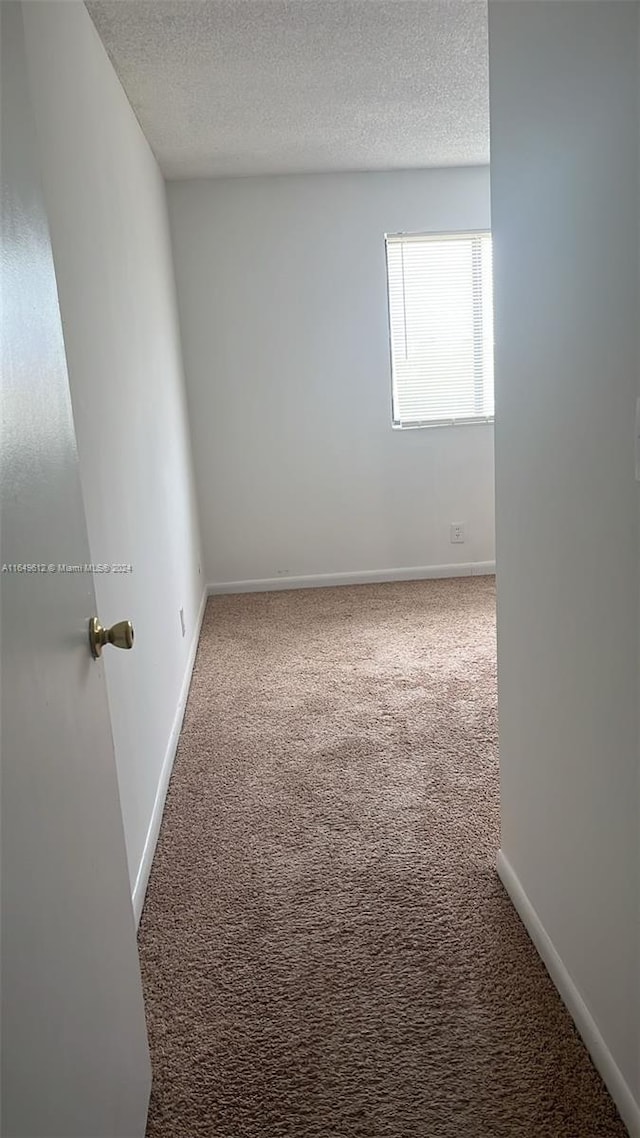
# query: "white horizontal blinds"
[[441, 323]]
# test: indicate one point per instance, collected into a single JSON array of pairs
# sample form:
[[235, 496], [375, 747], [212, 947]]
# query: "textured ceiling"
[[225, 87]]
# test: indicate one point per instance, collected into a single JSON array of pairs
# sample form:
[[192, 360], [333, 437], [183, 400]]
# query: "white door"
[[75, 1062]]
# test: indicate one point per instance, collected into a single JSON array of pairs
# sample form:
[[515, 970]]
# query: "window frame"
[[419, 425]]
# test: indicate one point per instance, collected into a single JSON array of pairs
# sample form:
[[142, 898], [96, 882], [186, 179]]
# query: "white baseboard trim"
[[618, 1088], [144, 869], [360, 577]]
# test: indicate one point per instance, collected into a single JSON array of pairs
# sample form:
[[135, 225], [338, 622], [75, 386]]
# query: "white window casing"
[[441, 328]]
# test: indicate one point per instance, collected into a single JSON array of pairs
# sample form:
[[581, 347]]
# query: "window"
[[441, 328]]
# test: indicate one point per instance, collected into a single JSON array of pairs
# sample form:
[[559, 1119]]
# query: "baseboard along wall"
[[357, 577], [144, 869], [616, 1084]]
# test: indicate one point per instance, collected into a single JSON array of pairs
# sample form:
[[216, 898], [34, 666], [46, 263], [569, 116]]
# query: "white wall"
[[564, 157], [107, 212], [282, 299]]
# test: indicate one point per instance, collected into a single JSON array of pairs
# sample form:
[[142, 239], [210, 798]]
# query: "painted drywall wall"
[[107, 211], [282, 297], [564, 155]]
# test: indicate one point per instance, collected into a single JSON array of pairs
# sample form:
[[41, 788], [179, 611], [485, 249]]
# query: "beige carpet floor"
[[326, 949]]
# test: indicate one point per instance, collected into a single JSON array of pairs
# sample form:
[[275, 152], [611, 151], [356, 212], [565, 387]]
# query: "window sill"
[[477, 421]]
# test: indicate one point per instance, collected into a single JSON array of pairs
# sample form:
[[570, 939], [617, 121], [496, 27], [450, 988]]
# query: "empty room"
[[320, 568]]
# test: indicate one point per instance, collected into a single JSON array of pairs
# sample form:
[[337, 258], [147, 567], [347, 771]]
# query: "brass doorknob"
[[120, 635]]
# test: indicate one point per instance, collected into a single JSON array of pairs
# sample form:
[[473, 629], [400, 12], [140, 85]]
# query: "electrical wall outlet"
[[182, 624], [456, 533]]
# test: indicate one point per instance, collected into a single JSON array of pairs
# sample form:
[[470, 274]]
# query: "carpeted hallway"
[[326, 949]]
